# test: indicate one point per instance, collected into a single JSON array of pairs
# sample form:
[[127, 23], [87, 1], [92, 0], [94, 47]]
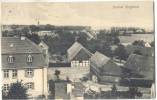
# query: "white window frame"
[[30, 85], [10, 59], [6, 73], [87, 63], [14, 73], [29, 72], [5, 87], [29, 59]]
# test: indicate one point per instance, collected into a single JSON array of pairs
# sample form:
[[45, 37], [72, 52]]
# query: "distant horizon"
[[86, 26], [98, 15]]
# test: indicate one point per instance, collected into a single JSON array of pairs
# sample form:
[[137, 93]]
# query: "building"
[[67, 90], [45, 51], [143, 65], [142, 74], [78, 55], [43, 33], [103, 69], [22, 60], [62, 90], [73, 73]]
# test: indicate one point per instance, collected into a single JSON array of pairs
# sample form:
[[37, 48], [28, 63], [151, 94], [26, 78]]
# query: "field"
[[130, 39]]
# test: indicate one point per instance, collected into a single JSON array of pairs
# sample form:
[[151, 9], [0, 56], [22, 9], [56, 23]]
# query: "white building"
[[22, 60], [43, 33], [78, 55], [45, 50]]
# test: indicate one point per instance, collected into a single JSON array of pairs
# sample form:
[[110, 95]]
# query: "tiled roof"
[[99, 59], [15, 45], [105, 65], [20, 49], [20, 61], [143, 65], [74, 49]]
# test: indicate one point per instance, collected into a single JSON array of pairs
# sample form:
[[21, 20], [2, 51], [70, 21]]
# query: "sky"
[[95, 14]]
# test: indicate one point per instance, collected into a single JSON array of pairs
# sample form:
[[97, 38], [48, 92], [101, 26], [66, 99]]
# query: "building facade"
[[78, 56], [22, 60], [103, 69]]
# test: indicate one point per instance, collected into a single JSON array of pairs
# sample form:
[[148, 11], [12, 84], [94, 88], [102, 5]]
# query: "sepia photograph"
[[78, 50]]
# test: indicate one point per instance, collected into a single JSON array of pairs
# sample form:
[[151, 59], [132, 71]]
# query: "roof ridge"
[[80, 47], [34, 45]]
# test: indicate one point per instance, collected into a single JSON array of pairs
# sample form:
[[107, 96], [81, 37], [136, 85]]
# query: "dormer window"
[[29, 59], [10, 59]]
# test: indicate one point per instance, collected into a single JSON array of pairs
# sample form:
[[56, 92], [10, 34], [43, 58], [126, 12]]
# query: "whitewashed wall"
[[39, 79]]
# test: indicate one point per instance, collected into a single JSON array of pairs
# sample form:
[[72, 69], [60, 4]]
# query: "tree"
[[34, 37], [121, 53], [57, 73], [139, 43], [17, 91], [114, 91], [133, 91], [114, 88], [152, 44], [34, 28], [116, 40], [52, 86], [137, 52]]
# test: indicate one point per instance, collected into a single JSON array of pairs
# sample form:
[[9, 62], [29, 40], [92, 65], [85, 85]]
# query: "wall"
[[37, 79], [74, 73]]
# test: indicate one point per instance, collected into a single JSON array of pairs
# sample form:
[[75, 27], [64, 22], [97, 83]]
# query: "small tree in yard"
[[152, 44], [114, 91], [138, 43], [133, 91], [57, 73], [120, 52], [17, 91]]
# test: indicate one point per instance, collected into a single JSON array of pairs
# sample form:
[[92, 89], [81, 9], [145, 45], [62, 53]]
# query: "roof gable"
[[20, 49], [75, 49], [99, 59], [143, 65], [42, 43]]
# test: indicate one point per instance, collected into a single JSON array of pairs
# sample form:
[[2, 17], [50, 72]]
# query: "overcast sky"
[[95, 14]]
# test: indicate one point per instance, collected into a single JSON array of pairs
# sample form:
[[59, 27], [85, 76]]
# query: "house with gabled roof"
[[45, 50], [142, 65], [22, 60], [142, 74], [78, 55], [103, 69]]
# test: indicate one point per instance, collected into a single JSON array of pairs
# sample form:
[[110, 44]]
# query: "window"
[[87, 63], [75, 63], [6, 87], [29, 58], [14, 73], [29, 72], [6, 73], [30, 85], [10, 59]]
